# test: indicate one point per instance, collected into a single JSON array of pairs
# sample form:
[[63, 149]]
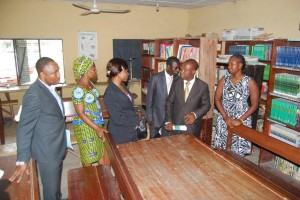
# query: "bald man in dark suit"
[[188, 101]]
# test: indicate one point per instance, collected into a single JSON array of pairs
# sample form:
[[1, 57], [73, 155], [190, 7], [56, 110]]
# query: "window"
[[18, 58]]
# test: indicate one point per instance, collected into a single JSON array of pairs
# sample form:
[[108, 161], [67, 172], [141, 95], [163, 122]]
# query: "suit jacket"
[[123, 117], [198, 102], [156, 99], [41, 129]]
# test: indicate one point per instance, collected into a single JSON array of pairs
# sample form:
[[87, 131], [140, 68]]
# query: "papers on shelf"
[[251, 60]]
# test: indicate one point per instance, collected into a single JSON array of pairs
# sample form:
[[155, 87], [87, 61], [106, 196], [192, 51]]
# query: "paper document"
[[68, 137], [179, 128], [1, 173]]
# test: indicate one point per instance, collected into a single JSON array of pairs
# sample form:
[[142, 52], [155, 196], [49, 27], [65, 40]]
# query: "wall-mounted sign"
[[87, 45]]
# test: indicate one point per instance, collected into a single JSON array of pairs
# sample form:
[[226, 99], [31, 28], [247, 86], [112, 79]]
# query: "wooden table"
[[27, 189], [182, 167]]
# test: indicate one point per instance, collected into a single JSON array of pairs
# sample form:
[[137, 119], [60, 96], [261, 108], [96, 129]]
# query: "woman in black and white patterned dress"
[[231, 98]]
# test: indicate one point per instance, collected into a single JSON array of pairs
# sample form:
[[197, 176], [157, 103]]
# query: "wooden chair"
[[10, 104]]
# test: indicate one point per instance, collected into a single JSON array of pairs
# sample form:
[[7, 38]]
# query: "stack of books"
[[287, 84], [285, 134]]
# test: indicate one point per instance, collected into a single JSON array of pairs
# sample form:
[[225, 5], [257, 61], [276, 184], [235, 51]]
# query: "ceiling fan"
[[95, 10]]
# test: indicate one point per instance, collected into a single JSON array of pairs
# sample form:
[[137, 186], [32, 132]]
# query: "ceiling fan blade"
[[86, 13], [81, 6], [114, 11]]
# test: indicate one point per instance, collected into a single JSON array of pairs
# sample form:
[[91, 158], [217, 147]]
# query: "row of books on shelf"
[[287, 167], [262, 51], [166, 50], [285, 111], [288, 57], [287, 84], [285, 134], [239, 49], [186, 52], [148, 48]]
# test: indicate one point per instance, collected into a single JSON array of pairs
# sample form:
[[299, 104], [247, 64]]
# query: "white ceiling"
[[162, 3]]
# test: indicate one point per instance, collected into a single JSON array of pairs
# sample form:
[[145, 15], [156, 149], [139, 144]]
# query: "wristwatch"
[[19, 163]]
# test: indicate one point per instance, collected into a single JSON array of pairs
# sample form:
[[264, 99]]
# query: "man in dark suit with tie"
[[157, 93], [41, 130], [188, 101]]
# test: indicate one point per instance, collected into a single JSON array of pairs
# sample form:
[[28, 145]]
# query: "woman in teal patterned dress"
[[88, 122]]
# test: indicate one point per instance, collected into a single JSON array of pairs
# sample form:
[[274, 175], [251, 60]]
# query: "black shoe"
[[157, 135]]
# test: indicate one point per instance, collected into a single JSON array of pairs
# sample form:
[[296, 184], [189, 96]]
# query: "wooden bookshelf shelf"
[[266, 156]]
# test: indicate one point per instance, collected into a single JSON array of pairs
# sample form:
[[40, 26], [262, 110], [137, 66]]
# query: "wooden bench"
[[92, 183], [110, 181], [28, 187]]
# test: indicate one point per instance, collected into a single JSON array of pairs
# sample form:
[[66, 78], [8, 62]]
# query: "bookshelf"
[[147, 66], [261, 49], [285, 66], [264, 51], [206, 53]]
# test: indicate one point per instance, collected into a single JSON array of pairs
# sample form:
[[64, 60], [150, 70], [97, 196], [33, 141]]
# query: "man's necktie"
[[186, 90]]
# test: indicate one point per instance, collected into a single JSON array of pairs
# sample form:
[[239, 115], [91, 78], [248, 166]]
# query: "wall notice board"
[[88, 45]]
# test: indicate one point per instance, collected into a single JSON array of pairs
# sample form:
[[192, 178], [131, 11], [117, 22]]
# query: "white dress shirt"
[[54, 93], [169, 81]]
